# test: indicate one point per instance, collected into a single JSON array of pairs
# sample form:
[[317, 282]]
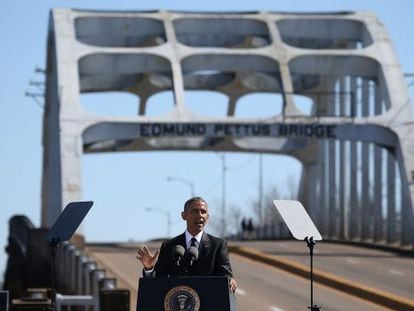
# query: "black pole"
[[54, 245], [311, 243]]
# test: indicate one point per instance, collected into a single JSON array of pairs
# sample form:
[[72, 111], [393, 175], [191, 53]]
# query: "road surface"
[[261, 287]]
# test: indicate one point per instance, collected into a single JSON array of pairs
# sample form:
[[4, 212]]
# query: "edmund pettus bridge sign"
[[236, 130]]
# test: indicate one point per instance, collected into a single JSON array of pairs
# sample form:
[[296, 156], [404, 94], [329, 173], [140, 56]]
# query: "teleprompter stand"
[[311, 243], [61, 231], [302, 228]]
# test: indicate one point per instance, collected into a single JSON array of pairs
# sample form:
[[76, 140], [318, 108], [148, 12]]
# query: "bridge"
[[355, 143]]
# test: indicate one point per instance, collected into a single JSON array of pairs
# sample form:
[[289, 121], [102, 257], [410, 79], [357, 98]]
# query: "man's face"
[[196, 216]]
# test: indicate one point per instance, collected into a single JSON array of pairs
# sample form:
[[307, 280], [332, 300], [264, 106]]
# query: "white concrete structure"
[[356, 144]]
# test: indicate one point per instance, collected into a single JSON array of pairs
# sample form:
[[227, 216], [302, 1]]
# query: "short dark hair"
[[188, 203]]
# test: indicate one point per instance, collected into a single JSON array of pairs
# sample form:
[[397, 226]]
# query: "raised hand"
[[147, 259]]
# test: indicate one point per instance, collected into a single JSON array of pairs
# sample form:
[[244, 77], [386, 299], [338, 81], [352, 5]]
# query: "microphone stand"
[[181, 266], [311, 243], [191, 257], [187, 266]]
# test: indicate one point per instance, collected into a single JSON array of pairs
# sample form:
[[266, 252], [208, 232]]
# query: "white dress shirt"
[[188, 238]]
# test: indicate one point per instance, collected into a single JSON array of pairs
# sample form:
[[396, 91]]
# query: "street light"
[[166, 213], [223, 193], [261, 207], [185, 181]]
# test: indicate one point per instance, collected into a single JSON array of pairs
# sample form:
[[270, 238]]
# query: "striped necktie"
[[193, 242]]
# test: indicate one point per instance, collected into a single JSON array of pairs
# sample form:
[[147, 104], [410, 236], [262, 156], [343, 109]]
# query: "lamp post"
[[166, 213], [184, 181], [223, 194], [261, 207]]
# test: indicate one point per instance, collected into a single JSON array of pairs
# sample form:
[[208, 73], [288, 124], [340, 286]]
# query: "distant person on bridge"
[[213, 259], [243, 228], [250, 229]]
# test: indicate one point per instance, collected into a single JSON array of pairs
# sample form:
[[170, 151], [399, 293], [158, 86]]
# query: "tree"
[[233, 220]]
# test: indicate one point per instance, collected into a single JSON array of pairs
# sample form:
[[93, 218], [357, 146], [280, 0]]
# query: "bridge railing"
[[88, 284], [79, 280]]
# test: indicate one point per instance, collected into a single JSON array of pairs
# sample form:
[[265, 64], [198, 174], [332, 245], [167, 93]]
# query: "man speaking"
[[193, 253]]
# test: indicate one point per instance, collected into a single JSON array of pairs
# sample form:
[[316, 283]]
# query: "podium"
[[185, 294]]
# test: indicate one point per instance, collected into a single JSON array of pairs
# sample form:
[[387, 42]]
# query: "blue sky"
[[124, 184]]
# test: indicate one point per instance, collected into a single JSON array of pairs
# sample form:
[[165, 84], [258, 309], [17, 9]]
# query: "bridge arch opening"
[[120, 31], [160, 103], [206, 103], [305, 104], [307, 33], [110, 103], [123, 186], [262, 105], [217, 32], [114, 72]]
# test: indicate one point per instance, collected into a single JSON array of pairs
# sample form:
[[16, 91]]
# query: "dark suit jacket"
[[213, 258]]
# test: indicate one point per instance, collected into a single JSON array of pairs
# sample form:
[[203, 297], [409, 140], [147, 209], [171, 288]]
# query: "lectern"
[[185, 293]]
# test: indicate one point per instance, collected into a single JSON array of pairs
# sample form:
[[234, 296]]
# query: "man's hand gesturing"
[[147, 259]]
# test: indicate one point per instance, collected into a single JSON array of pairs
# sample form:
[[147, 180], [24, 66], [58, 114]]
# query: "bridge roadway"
[[262, 287]]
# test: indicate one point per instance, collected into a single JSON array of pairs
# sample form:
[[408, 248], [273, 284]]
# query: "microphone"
[[192, 255], [178, 254]]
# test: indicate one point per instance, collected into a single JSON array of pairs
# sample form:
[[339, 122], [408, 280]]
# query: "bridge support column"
[[310, 175], [391, 212], [366, 204], [323, 207], [62, 130], [378, 193], [353, 165], [332, 190], [342, 146], [353, 192], [406, 219], [326, 105]]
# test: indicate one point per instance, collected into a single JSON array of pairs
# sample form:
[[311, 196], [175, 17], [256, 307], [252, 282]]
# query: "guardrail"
[[78, 274]]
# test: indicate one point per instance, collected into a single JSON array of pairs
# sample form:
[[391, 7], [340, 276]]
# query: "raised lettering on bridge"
[[237, 130]]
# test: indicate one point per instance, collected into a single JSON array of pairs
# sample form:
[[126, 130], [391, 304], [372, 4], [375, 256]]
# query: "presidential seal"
[[182, 298]]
